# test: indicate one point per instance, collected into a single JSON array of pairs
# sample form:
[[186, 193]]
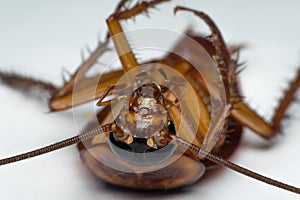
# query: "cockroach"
[[155, 92]]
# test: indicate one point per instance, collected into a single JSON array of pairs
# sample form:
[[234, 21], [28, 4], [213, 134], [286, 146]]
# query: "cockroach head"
[[144, 126]]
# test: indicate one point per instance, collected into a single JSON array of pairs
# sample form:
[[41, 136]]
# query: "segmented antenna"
[[225, 163], [181, 142], [70, 141]]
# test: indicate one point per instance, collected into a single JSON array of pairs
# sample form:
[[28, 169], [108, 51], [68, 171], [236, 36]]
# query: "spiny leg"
[[82, 69], [87, 89], [242, 112], [221, 55], [216, 36], [123, 48], [26, 84], [249, 117], [90, 88], [63, 98], [288, 98], [90, 61], [60, 97]]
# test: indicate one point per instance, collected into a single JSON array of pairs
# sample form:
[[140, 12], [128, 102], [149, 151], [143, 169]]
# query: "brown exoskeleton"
[[265, 130]]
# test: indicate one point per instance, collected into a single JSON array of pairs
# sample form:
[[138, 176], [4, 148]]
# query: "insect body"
[[151, 113]]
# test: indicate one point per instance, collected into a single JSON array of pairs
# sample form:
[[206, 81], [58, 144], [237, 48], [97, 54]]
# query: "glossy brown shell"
[[183, 171]]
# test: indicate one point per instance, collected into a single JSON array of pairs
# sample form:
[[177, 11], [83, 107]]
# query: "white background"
[[40, 38]]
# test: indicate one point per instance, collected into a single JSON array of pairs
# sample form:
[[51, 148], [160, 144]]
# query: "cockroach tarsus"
[[155, 131]]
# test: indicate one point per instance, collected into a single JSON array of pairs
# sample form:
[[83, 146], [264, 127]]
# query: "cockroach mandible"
[[153, 105]]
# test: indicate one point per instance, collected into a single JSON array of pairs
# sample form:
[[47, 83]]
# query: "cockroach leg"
[[124, 50], [83, 68], [216, 36], [248, 117], [88, 89], [61, 98], [86, 64], [91, 88], [286, 100], [221, 54], [24, 83], [241, 112], [116, 89]]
